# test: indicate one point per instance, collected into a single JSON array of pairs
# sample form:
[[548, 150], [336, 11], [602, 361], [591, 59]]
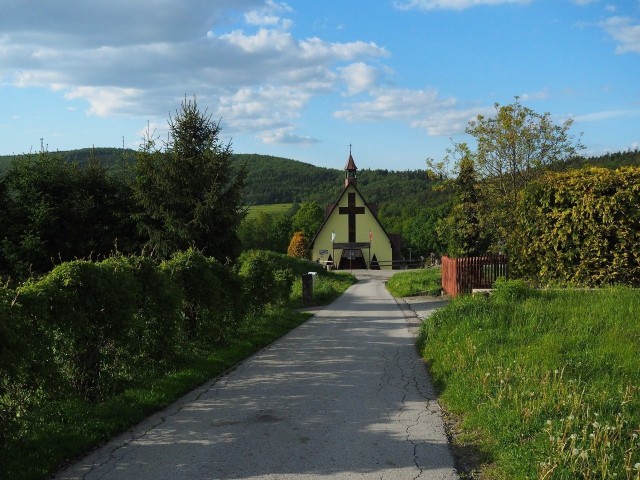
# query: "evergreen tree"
[[188, 193]]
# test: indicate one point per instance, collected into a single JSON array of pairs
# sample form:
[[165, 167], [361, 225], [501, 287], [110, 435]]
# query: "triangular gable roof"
[[326, 218]]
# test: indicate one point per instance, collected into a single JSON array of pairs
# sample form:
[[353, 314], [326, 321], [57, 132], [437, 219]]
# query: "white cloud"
[[584, 2], [423, 109], [606, 115], [284, 136], [140, 58], [624, 31], [359, 77], [451, 4], [540, 95]]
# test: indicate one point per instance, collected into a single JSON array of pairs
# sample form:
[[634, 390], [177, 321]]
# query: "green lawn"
[[547, 384], [426, 281], [276, 209]]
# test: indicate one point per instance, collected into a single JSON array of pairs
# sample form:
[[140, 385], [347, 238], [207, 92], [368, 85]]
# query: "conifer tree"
[[188, 193]]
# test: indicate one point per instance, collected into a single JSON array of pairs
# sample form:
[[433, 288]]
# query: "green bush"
[[83, 308], [264, 281], [210, 309], [155, 324], [580, 227]]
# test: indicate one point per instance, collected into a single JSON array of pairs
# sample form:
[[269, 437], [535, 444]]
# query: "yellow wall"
[[380, 244]]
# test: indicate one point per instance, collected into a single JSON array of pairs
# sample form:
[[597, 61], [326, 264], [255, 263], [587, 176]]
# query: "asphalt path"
[[345, 395]]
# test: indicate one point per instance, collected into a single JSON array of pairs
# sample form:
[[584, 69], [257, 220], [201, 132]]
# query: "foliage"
[[426, 281], [83, 308], [210, 307], [188, 193], [298, 246], [327, 286], [52, 210], [460, 231], [264, 281], [580, 227], [308, 219], [265, 231], [91, 348], [62, 429], [513, 148], [545, 382]]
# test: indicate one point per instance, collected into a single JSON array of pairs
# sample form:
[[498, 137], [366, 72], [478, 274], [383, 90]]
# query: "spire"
[[350, 170]]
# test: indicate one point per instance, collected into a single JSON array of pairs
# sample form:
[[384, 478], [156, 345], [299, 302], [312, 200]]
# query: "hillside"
[[272, 180]]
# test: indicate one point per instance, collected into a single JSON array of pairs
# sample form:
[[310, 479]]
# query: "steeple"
[[350, 171]]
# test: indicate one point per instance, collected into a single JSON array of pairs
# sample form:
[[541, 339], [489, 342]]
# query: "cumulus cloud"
[[140, 59], [359, 77], [424, 109], [450, 4], [625, 31]]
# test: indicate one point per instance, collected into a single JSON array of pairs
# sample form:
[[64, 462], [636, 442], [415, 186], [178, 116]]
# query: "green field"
[[276, 209], [546, 384]]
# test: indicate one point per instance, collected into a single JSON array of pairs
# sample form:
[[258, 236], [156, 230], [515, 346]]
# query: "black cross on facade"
[[352, 211]]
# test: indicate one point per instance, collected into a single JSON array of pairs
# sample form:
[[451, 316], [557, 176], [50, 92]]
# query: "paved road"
[[343, 396]]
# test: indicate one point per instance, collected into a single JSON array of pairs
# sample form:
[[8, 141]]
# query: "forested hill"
[[280, 180]]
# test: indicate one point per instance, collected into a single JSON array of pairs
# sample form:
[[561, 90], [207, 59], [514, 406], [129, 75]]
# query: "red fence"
[[461, 275]]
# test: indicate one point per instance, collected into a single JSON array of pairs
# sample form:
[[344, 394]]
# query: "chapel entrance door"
[[352, 259]]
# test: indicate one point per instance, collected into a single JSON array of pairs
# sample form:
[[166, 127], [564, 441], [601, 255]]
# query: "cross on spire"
[[351, 211]]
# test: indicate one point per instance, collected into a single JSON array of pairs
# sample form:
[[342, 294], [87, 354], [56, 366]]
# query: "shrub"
[[298, 246], [83, 308], [209, 304], [580, 227], [264, 282]]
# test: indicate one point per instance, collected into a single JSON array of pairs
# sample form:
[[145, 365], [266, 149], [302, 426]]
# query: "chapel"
[[351, 236]]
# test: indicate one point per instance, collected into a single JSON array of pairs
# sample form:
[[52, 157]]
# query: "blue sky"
[[398, 79]]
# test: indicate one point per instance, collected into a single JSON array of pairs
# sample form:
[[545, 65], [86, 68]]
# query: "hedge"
[[580, 227], [90, 330]]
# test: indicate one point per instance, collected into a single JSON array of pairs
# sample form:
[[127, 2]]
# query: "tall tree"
[[52, 210], [460, 230], [514, 147], [516, 144], [308, 219], [187, 190]]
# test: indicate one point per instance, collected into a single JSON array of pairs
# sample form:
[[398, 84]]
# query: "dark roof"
[[351, 165]]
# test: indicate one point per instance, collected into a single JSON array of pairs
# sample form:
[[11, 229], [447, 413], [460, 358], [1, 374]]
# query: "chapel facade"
[[351, 236]]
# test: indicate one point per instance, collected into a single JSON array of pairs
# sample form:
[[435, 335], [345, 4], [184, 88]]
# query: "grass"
[[547, 383], [328, 286], [425, 281], [61, 431], [276, 209]]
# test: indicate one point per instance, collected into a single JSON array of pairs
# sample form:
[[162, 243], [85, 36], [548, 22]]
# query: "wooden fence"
[[461, 275]]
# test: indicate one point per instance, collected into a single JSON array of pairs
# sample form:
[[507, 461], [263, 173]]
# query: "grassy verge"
[[425, 281], [547, 383], [328, 286], [61, 431]]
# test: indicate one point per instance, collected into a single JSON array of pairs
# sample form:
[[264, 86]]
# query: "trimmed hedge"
[[90, 330], [580, 227]]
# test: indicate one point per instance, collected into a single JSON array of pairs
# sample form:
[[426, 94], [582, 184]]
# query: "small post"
[[307, 289]]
